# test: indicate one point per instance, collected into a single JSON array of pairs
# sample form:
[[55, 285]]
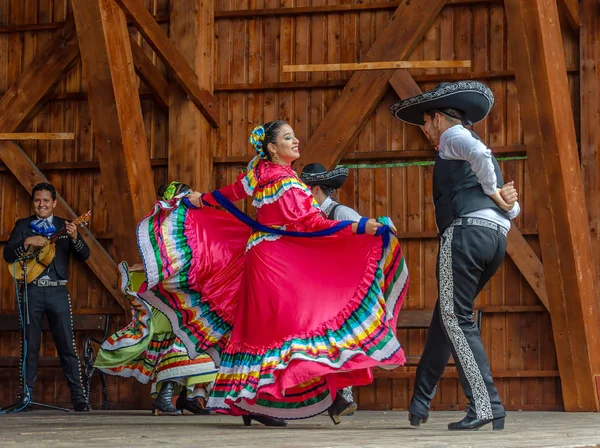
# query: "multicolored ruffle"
[[148, 350], [162, 358], [272, 191], [258, 237], [166, 248], [250, 179]]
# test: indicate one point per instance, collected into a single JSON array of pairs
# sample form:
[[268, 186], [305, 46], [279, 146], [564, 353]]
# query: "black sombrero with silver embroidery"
[[317, 174], [472, 98]]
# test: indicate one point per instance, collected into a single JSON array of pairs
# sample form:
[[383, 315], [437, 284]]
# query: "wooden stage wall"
[[250, 89]]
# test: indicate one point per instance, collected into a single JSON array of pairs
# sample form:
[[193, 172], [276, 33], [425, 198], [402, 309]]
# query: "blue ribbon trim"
[[231, 208], [384, 232], [187, 202], [362, 225]]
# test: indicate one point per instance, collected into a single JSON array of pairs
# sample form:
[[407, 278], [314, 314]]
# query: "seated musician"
[[48, 293]]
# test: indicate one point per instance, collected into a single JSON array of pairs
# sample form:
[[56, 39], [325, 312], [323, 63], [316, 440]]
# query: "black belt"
[[45, 283], [480, 222]]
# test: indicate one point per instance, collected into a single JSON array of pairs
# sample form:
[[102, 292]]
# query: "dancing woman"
[[291, 306]]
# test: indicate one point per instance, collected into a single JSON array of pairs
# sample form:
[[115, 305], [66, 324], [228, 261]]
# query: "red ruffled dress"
[[287, 320]]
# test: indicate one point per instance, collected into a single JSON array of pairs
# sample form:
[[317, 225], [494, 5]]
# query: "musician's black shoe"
[[81, 406], [473, 424]]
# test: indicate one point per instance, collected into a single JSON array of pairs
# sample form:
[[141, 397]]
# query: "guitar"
[[38, 258]]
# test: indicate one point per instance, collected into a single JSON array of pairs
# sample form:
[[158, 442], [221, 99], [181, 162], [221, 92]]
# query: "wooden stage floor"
[[366, 429]]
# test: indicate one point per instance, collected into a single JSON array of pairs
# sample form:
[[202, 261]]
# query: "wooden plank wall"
[[248, 85]]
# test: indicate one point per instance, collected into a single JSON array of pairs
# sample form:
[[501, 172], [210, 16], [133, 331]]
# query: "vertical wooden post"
[[537, 49], [589, 48], [191, 28], [116, 117]]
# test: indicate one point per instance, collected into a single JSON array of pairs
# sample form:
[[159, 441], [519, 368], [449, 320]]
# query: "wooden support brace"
[[116, 112], [170, 55], [150, 75], [373, 66], [552, 155], [100, 262], [571, 11]]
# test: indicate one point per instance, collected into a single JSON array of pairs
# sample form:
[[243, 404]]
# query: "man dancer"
[[473, 218]]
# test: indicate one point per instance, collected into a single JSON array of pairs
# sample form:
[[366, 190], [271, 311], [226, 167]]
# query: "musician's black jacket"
[[64, 245]]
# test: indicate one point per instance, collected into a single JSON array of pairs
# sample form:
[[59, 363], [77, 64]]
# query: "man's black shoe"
[[473, 424], [415, 420]]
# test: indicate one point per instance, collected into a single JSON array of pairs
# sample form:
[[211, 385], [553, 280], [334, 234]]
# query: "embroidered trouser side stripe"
[[468, 257], [466, 358]]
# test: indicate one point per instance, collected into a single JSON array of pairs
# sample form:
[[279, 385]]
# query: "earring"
[[275, 158]]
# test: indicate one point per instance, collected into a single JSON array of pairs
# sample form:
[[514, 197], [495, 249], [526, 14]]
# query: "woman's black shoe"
[[263, 419], [473, 424], [163, 403], [415, 420], [340, 407], [183, 404]]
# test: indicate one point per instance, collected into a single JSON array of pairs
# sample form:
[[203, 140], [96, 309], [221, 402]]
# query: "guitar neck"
[[58, 234]]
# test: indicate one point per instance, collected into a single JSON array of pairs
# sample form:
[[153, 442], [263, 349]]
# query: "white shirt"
[[49, 218], [341, 212], [457, 143]]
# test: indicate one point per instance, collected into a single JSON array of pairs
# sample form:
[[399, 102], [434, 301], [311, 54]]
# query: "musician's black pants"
[[55, 303]]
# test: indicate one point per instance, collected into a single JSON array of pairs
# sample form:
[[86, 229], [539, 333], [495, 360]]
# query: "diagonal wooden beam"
[[571, 10], [364, 90], [17, 104], [150, 74], [528, 263], [44, 71], [553, 160], [118, 124], [170, 55], [100, 262], [518, 248]]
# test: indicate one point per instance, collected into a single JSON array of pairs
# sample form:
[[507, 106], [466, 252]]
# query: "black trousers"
[[468, 257], [55, 303]]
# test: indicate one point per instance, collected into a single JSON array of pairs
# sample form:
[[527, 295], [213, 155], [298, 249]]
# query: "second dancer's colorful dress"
[[288, 319], [148, 350]]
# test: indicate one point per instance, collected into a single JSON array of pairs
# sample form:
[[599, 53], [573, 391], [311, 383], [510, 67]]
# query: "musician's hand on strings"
[[71, 230], [36, 241]]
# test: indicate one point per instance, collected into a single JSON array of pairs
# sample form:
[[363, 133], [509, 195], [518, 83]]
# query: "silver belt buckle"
[[43, 282]]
